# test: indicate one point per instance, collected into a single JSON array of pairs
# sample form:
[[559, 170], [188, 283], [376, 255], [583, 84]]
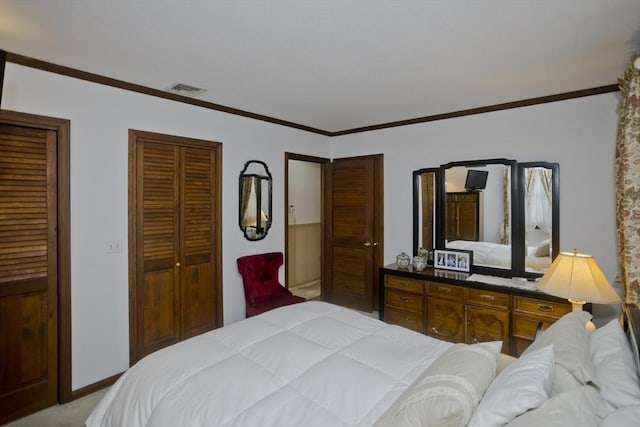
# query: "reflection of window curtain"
[[538, 199], [506, 223], [247, 186], [628, 181]]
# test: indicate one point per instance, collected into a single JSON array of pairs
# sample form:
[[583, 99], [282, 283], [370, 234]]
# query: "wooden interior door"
[[354, 248], [28, 271], [175, 289]]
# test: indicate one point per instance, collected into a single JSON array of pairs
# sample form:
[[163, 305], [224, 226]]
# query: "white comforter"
[[309, 364], [497, 255]]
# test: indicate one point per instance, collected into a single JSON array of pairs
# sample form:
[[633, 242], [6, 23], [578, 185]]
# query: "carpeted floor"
[[308, 290], [72, 414]]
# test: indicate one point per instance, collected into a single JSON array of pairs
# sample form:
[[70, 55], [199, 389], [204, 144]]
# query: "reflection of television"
[[476, 180]]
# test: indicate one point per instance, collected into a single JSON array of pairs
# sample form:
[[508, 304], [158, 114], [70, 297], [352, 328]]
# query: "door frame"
[[62, 128], [323, 162]]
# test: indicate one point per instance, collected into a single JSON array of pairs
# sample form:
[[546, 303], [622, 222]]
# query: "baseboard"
[[91, 388]]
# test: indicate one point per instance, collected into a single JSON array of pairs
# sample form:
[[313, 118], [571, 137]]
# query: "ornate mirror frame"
[[255, 200]]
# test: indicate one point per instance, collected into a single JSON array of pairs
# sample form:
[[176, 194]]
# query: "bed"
[[318, 364], [499, 255]]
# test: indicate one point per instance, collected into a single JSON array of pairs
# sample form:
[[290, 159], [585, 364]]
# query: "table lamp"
[[578, 278]]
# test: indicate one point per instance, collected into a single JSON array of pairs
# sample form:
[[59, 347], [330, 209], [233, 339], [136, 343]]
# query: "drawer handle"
[[444, 290], [403, 283], [404, 299], [487, 297], [544, 307]]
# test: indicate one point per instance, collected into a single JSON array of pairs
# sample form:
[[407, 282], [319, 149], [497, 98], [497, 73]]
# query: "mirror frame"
[[267, 177], [517, 264], [555, 212], [416, 199]]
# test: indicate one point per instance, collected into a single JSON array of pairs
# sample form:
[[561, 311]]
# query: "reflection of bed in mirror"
[[497, 255]]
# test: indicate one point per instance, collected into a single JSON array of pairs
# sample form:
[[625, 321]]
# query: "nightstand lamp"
[[578, 278]]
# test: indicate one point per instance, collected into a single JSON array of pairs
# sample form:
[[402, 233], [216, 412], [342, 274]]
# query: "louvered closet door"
[[158, 290], [177, 289], [28, 269], [197, 231]]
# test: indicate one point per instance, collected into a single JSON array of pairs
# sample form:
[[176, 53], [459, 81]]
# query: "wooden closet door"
[[28, 270], [197, 267], [175, 257], [158, 242]]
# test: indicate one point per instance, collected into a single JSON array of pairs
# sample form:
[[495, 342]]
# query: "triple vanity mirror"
[[255, 200], [506, 212]]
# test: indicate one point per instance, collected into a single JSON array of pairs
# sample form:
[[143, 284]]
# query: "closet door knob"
[[177, 264]]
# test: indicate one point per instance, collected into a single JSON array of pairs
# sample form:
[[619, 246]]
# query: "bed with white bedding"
[[317, 364], [499, 255]]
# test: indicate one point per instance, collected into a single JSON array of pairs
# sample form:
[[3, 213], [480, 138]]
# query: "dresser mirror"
[[425, 184], [506, 212], [477, 209], [255, 192], [540, 215]]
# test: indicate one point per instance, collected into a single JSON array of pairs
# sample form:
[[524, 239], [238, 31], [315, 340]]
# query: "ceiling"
[[336, 65]]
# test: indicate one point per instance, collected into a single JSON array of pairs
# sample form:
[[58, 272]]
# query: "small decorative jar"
[[423, 252], [403, 260], [419, 262]]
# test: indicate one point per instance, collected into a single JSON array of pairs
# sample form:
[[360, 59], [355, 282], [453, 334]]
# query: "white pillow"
[[448, 391], [523, 385], [614, 365], [627, 417], [543, 249], [572, 408], [571, 347]]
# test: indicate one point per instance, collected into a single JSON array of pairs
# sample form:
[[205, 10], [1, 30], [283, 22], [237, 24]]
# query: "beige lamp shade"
[[578, 278]]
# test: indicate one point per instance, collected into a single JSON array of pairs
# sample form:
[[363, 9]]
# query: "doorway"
[[35, 315], [305, 226]]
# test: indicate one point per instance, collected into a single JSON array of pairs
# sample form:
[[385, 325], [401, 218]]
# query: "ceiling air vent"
[[185, 89]]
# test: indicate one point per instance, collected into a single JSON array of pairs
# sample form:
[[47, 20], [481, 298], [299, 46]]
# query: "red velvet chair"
[[262, 290]]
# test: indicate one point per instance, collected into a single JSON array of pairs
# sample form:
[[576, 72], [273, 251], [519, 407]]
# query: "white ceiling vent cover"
[[185, 89]]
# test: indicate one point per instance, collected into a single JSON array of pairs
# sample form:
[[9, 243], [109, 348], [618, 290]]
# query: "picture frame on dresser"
[[450, 259]]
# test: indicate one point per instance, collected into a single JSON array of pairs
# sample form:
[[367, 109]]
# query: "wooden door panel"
[[445, 319], [485, 324], [197, 300], [28, 270], [159, 321], [197, 245], [351, 249], [158, 239]]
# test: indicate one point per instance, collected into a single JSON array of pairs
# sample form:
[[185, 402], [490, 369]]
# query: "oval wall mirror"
[[255, 200]]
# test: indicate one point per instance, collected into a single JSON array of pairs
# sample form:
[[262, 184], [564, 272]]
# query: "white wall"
[[579, 134], [305, 182], [100, 118]]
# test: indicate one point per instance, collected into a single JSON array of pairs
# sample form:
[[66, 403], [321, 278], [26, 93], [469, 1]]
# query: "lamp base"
[[577, 306]]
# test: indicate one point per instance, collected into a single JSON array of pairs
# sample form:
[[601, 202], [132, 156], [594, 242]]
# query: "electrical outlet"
[[113, 246]]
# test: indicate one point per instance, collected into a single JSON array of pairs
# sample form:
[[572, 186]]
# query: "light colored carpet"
[[308, 291], [72, 414]]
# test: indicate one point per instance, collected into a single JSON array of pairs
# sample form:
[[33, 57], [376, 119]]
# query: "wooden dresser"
[[444, 305]]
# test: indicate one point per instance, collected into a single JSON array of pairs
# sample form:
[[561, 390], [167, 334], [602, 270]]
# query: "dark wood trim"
[[312, 159], [92, 388], [487, 109], [63, 128], [120, 84]]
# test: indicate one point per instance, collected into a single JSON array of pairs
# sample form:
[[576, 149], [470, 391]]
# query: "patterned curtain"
[[628, 181]]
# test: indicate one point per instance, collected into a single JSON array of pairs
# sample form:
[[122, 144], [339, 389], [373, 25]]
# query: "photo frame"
[[453, 259]]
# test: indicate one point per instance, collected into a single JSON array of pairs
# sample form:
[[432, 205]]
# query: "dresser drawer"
[[540, 306], [404, 301], [401, 318], [525, 325], [445, 290], [405, 284], [488, 298]]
